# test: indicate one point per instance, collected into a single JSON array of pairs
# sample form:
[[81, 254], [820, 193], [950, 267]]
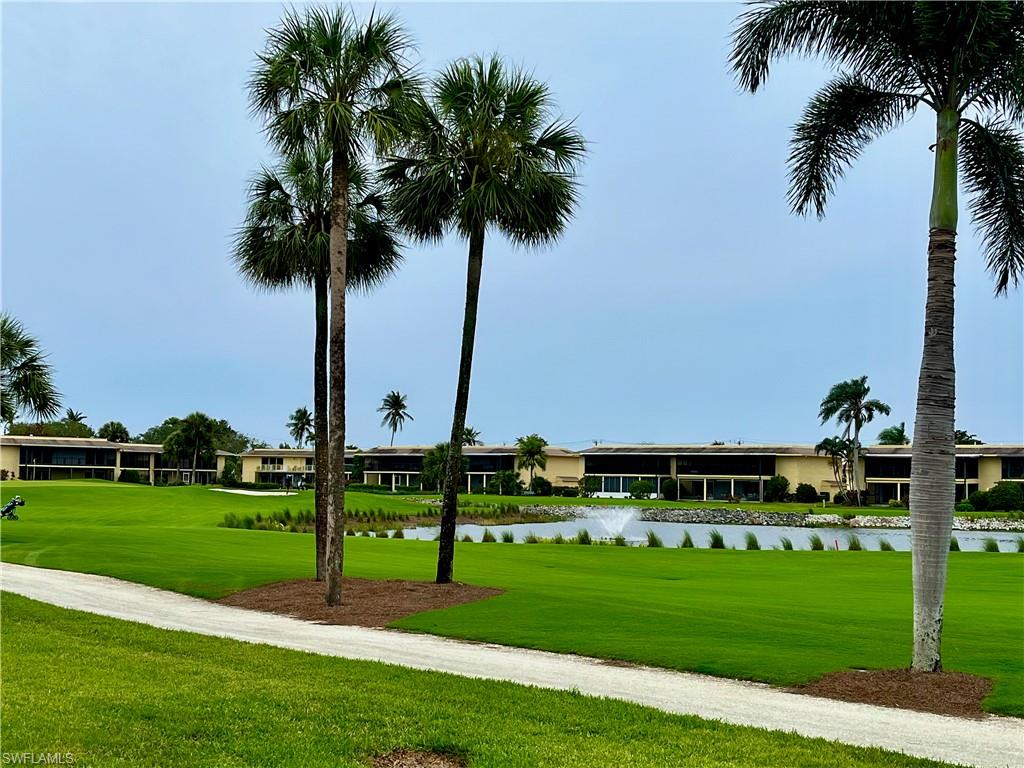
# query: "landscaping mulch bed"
[[416, 759], [364, 603], [943, 693]]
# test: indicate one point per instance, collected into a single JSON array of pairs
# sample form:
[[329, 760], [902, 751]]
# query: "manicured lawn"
[[780, 617], [98, 688]]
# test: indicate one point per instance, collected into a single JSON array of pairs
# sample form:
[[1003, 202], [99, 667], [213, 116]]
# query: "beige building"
[[290, 467]]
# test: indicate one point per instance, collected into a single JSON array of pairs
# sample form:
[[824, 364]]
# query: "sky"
[[685, 302]]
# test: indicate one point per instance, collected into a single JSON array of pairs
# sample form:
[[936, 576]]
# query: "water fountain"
[[612, 519]]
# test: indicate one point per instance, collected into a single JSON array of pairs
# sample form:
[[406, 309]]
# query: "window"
[[749, 465], [612, 485], [1013, 468]]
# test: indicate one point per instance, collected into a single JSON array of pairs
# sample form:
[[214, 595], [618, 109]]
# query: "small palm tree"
[[530, 454], [326, 77], [192, 440], [300, 426], [483, 152], [471, 436], [894, 435], [839, 450], [848, 403], [26, 379], [963, 62], [395, 411], [285, 242], [75, 417]]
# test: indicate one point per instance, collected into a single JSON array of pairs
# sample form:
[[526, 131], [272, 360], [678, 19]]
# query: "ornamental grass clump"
[[488, 537], [620, 540], [558, 539], [531, 538], [687, 542], [398, 534], [991, 545], [716, 540], [853, 543], [467, 538], [653, 540], [752, 542], [787, 543], [816, 542], [884, 545], [507, 537], [1020, 543], [954, 545], [583, 537]]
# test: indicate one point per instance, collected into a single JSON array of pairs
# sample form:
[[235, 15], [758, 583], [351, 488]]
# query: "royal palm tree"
[[848, 403], [963, 63], [26, 379], [74, 417], [471, 436], [285, 242], [483, 151], [395, 411], [324, 76], [530, 454], [192, 440], [300, 426], [839, 450], [894, 435]]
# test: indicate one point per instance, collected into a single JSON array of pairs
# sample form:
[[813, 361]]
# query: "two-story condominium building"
[[285, 466]]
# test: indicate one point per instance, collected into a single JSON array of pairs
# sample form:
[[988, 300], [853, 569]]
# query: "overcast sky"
[[685, 303]]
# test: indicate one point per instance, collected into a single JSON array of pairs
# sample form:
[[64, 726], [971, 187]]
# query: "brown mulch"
[[365, 603], [416, 759], [943, 693]]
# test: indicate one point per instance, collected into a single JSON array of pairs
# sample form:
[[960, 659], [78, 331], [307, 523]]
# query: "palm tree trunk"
[[856, 465], [336, 419], [321, 445], [446, 547], [933, 469]]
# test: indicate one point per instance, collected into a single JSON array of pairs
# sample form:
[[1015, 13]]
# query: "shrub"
[[991, 545], [640, 489], [653, 540], [248, 522], [583, 537], [368, 488], [567, 492], [884, 545], [964, 506], [588, 486], [382, 534], [488, 537], [787, 543], [541, 486], [1020, 543], [751, 539], [895, 504], [468, 539], [405, 488], [505, 483], [776, 488], [816, 542], [398, 534], [507, 537], [954, 545], [853, 543], [350, 532], [620, 540], [1006, 496], [531, 538], [716, 540], [132, 476], [687, 542], [979, 500], [670, 489], [559, 539], [806, 493], [365, 532]]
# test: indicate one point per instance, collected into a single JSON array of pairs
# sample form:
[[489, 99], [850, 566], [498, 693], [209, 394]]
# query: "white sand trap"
[[244, 492]]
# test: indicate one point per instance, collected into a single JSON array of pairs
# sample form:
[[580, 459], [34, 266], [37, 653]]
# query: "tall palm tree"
[[75, 417], [965, 63], [848, 403], [483, 151], [530, 454], [395, 411], [285, 242], [26, 379], [839, 450], [326, 76], [471, 436], [894, 435], [300, 426]]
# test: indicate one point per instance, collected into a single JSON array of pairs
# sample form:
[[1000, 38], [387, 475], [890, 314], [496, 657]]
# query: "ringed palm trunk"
[[933, 474], [336, 420], [322, 443], [449, 504]]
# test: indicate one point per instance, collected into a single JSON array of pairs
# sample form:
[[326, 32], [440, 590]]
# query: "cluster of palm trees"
[[368, 148]]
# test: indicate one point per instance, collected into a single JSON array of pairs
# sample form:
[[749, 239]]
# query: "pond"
[[605, 523]]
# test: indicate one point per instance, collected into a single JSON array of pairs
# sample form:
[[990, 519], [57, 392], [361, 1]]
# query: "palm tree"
[[964, 62], [300, 426], [115, 432], [326, 77], [285, 242], [395, 410], [483, 150], [894, 435], [839, 450], [963, 437], [193, 439], [848, 403], [530, 454], [75, 417], [26, 379], [471, 436]]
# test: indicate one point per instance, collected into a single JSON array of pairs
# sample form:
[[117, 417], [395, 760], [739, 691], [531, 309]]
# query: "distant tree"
[[530, 454], [848, 403], [895, 435], [60, 428], [395, 410], [284, 446], [435, 461], [840, 451], [505, 482], [962, 437], [156, 435], [26, 379], [114, 431], [471, 436], [192, 440], [300, 426], [75, 416]]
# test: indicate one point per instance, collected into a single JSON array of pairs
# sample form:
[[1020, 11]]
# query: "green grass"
[[768, 615], [98, 688]]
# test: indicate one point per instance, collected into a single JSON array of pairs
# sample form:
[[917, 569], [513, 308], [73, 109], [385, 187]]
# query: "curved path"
[[989, 743]]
